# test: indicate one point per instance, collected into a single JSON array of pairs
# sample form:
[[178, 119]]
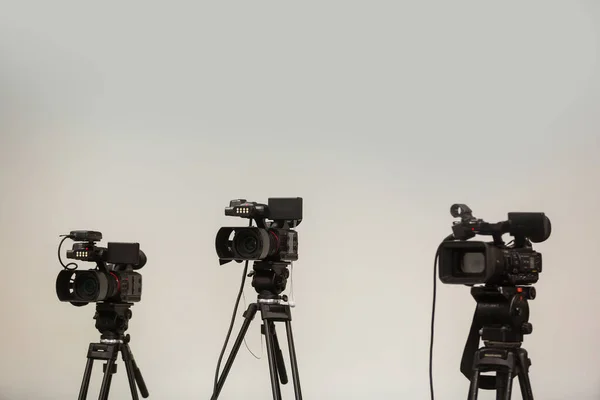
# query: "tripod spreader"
[[508, 363]]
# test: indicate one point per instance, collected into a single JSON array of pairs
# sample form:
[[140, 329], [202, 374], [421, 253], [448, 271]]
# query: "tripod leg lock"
[[250, 311], [113, 370]]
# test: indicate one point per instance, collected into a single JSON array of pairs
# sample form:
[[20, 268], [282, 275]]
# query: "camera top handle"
[[524, 226]]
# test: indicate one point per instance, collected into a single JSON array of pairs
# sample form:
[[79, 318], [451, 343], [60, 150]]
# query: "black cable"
[[235, 309], [60, 258], [433, 324], [435, 264], [231, 324]]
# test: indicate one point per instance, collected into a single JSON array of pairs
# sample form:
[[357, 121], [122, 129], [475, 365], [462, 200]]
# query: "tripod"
[[112, 320], [269, 280], [501, 320]]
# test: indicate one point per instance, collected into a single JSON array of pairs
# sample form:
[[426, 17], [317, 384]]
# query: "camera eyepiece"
[[460, 210]]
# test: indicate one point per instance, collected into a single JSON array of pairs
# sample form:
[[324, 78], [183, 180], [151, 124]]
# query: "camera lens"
[[246, 243], [473, 263], [93, 286], [87, 286], [255, 243], [250, 244]]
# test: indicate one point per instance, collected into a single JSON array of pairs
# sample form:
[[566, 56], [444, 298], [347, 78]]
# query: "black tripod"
[[112, 320], [269, 280], [501, 319]]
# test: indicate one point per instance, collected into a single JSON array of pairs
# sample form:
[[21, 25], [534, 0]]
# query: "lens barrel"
[[255, 243], [93, 286], [86, 286], [467, 262]]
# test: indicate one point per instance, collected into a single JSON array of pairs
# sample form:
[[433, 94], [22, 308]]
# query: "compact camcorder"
[[475, 262], [114, 279]]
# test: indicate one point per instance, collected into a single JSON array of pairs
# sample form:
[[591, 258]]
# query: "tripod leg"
[[137, 374], [248, 317], [108, 373], [526, 392], [293, 360], [504, 382], [130, 375], [524, 382], [500, 386], [85, 384], [269, 330], [474, 387], [509, 385], [279, 357]]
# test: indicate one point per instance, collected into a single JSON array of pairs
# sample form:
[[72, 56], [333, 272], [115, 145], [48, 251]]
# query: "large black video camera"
[[474, 262], [112, 281], [274, 241], [501, 278]]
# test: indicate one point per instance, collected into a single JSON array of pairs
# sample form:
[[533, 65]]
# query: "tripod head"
[[269, 278], [112, 320], [503, 313]]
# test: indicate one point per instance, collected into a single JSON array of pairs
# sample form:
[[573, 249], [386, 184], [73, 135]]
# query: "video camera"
[[272, 246], [112, 281], [501, 278], [474, 262], [272, 241]]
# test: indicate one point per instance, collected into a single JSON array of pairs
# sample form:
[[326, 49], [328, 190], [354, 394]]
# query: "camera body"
[[466, 262], [257, 244], [474, 262], [273, 241], [114, 280]]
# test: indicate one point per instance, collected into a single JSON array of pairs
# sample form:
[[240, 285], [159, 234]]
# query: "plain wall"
[[143, 121]]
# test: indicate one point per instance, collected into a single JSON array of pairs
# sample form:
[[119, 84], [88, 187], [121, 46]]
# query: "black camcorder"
[[271, 241], [475, 262], [501, 276], [114, 279]]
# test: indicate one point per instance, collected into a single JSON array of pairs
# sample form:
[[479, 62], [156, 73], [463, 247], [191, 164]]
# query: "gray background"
[[143, 120]]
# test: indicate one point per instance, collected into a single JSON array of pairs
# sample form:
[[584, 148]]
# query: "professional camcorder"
[[272, 247], [496, 263], [114, 286], [274, 241], [501, 277], [114, 279]]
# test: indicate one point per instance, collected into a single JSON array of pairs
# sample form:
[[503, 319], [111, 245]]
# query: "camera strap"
[[468, 357]]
